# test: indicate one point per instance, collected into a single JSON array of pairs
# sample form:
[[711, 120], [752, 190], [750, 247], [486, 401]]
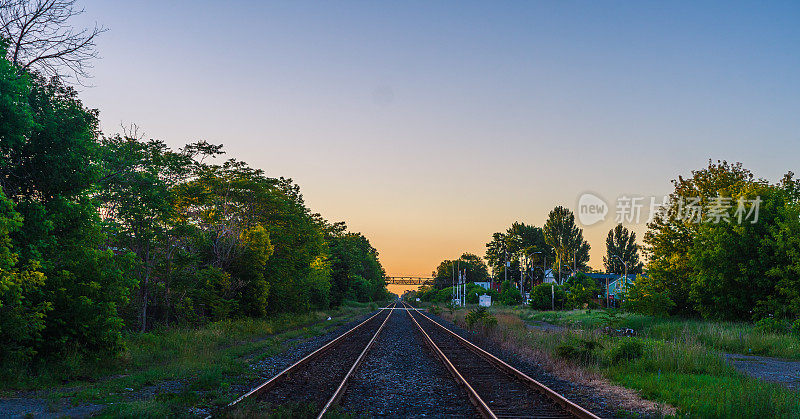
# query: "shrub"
[[544, 295], [771, 325], [509, 295], [628, 350], [646, 296], [796, 327], [611, 318], [434, 309], [581, 350], [480, 317], [581, 290]]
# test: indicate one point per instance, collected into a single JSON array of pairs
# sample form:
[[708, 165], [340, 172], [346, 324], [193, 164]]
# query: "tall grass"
[[176, 353], [741, 338], [681, 362]]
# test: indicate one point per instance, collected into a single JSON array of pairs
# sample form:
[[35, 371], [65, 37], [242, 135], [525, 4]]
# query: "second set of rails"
[[495, 388]]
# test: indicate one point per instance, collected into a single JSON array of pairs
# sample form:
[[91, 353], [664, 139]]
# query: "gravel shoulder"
[[782, 371]]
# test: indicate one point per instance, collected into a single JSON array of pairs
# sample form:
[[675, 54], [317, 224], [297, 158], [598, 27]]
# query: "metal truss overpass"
[[408, 280]]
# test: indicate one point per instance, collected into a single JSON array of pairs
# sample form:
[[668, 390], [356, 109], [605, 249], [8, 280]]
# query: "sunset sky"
[[430, 125]]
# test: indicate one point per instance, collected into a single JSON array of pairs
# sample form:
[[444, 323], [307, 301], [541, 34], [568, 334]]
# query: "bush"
[[628, 350], [480, 317], [772, 325], [444, 295], [581, 350], [543, 296], [472, 297], [581, 290], [434, 309], [428, 295], [645, 296], [509, 295], [796, 327]]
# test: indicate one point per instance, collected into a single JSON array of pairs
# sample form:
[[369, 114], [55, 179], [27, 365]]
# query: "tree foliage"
[[621, 244], [447, 271], [521, 242], [728, 269], [581, 290], [566, 238], [547, 297], [103, 233]]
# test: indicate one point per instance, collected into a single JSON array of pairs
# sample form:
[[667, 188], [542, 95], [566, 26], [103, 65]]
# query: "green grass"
[[680, 361], [706, 395], [740, 338], [199, 365]]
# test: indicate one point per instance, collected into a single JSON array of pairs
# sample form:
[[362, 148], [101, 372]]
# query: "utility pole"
[[505, 267], [575, 262], [453, 286], [625, 264], [544, 277], [520, 279], [460, 301]]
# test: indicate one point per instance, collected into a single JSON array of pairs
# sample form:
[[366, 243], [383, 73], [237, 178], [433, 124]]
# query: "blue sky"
[[430, 125]]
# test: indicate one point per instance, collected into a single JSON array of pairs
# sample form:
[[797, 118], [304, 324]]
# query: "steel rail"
[[565, 403], [306, 359], [474, 397], [343, 385]]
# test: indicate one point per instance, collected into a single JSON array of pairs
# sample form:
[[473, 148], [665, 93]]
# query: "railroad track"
[[321, 377], [497, 389]]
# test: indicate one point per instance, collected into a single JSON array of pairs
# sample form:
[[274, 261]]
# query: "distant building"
[[550, 277], [484, 285], [617, 283]]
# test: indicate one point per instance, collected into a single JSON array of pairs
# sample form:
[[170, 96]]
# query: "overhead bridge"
[[408, 280]]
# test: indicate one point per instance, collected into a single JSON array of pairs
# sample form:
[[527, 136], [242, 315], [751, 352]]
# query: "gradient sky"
[[430, 125]]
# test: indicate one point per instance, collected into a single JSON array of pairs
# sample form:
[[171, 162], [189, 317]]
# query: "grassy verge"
[[741, 338], [169, 371], [678, 362]]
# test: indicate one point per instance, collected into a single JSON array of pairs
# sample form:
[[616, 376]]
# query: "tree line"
[[103, 234], [711, 256], [725, 246]]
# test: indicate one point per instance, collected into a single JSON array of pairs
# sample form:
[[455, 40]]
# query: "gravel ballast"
[[401, 377], [579, 394]]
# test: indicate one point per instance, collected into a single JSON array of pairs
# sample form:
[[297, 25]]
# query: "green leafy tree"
[[581, 290], [49, 172], [566, 238], [356, 272], [520, 242], [736, 267], [474, 266], [545, 296], [621, 244], [509, 295], [22, 314], [730, 268], [647, 295]]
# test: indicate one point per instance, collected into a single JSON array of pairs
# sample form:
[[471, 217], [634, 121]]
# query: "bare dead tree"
[[41, 39]]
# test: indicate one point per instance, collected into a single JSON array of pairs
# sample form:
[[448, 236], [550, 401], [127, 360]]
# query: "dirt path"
[[32, 404], [543, 326], [776, 370]]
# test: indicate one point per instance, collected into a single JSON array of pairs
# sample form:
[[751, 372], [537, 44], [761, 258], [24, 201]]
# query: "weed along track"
[[316, 382], [497, 389]]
